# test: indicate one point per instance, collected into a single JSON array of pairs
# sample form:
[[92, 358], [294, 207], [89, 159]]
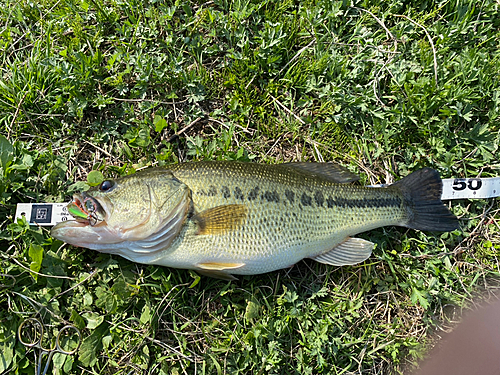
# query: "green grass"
[[106, 86]]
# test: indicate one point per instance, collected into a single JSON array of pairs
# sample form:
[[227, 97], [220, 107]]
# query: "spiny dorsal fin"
[[221, 219], [330, 171], [351, 251]]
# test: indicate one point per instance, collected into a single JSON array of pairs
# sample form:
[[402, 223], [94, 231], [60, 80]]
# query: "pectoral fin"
[[221, 219], [351, 251]]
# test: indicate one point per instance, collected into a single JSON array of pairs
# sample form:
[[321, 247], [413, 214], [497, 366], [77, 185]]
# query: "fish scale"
[[224, 218], [277, 233]]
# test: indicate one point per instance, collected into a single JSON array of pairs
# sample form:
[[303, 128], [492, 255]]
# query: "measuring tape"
[[45, 214], [48, 214], [470, 188]]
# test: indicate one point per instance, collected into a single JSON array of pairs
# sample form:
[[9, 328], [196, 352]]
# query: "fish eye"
[[106, 185]]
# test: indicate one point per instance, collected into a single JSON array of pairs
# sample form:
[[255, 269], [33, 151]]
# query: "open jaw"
[[86, 209], [77, 211], [89, 226]]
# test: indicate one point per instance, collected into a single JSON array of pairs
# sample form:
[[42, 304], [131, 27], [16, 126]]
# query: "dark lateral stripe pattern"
[[305, 200], [366, 203]]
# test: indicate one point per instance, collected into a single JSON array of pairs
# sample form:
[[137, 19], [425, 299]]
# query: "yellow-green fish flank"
[[224, 218]]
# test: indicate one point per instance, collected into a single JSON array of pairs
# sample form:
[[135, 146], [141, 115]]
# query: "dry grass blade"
[[430, 42]]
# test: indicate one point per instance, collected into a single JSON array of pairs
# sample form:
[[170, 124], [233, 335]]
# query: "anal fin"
[[349, 252]]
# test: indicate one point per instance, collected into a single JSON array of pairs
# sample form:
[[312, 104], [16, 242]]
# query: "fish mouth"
[[86, 210]]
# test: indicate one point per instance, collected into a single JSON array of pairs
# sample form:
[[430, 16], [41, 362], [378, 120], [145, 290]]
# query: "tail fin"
[[422, 192]]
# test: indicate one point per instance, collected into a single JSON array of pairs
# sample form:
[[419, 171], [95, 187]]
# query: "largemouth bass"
[[232, 218]]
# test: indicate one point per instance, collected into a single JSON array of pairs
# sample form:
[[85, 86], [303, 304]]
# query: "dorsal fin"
[[330, 171], [221, 219]]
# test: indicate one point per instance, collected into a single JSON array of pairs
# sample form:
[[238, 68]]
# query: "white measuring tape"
[[470, 188], [48, 214], [45, 214]]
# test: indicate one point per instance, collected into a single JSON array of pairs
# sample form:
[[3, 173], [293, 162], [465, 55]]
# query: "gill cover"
[[140, 213]]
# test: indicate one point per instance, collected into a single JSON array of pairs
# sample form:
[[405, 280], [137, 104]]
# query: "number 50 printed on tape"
[[470, 188]]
